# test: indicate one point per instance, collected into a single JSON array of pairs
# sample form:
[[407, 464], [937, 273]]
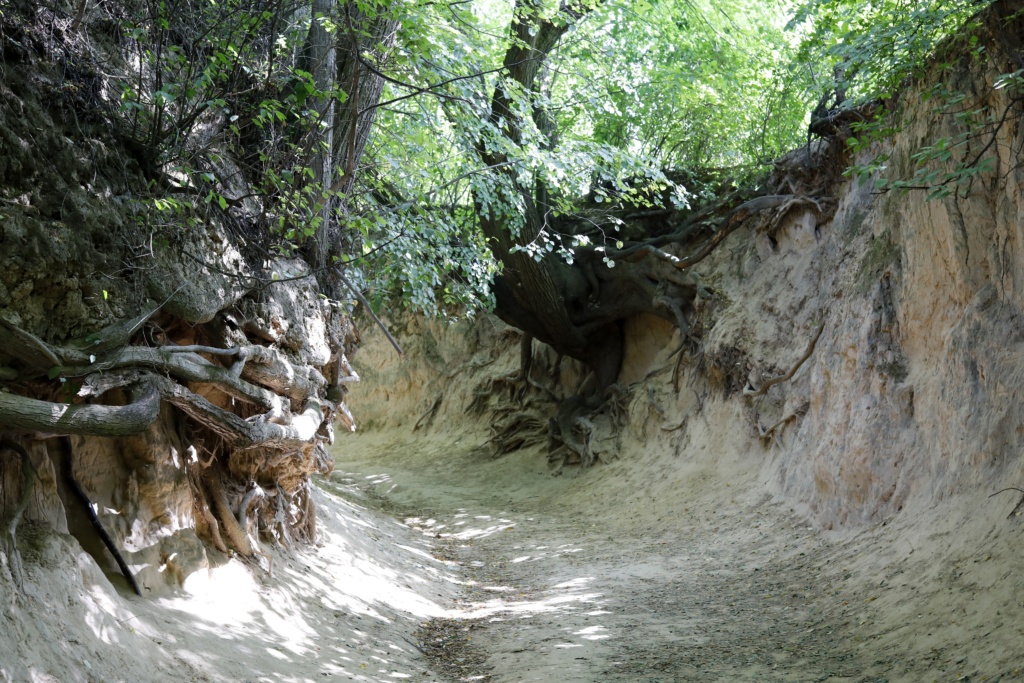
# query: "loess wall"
[[913, 391]]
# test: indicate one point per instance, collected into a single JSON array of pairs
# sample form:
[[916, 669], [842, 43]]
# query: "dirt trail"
[[718, 583]]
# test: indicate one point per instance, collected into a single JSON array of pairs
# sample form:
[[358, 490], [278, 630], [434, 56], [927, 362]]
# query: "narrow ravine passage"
[[729, 586]]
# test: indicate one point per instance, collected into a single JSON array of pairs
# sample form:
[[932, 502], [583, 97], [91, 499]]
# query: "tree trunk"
[[320, 54], [536, 296], [362, 38], [336, 60]]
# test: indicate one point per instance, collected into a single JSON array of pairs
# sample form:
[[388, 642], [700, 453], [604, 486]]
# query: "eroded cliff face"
[[914, 388], [91, 267], [911, 394]]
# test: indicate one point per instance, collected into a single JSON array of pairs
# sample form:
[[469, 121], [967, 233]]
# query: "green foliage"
[[686, 84], [630, 91], [219, 109], [219, 92], [871, 50], [950, 164], [868, 48]]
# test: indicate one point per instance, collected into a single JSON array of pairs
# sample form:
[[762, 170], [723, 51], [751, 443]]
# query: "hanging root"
[[306, 526], [214, 527], [195, 480], [236, 535], [28, 471], [90, 510], [677, 311], [767, 434], [280, 525], [243, 510], [760, 391]]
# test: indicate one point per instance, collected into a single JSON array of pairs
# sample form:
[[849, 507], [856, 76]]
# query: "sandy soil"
[[647, 568], [696, 577], [346, 609]]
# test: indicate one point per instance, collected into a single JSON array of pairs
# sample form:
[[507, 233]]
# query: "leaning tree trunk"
[[580, 309], [339, 62], [320, 56], [364, 45], [533, 295], [542, 297]]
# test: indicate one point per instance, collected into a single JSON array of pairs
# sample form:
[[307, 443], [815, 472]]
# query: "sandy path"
[[347, 609], [728, 586], [648, 568], [684, 606]]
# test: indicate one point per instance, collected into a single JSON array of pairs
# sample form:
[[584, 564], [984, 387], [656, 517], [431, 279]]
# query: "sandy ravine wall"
[[912, 393]]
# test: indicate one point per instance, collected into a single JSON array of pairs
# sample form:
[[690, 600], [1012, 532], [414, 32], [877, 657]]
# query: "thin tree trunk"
[[363, 38], [345, 126], [320, 57]]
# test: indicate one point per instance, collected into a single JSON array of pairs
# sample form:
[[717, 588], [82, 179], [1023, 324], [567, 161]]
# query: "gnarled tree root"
[[31, 415], [243, 510], [259, 380], [235, 534]]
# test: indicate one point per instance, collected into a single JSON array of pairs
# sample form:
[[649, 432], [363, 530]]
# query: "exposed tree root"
[[31, 415], [186, 367], [525, 413], [257, 414], [243, 509], [212, 525], [768, 434], [516, 431], [769, 383], [234, 532], [69, 476], [427, 418], [26, 347]]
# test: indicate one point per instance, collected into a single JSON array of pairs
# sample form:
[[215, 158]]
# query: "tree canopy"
[[563, 162], [361, 122], [630, 91], [449, 156]]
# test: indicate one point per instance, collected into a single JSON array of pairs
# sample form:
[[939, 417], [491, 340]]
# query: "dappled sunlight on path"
[[746, 592], [346, 608]]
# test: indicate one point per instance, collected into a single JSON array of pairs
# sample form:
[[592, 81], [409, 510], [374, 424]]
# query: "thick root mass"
[[253, 421], [531, 408]]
